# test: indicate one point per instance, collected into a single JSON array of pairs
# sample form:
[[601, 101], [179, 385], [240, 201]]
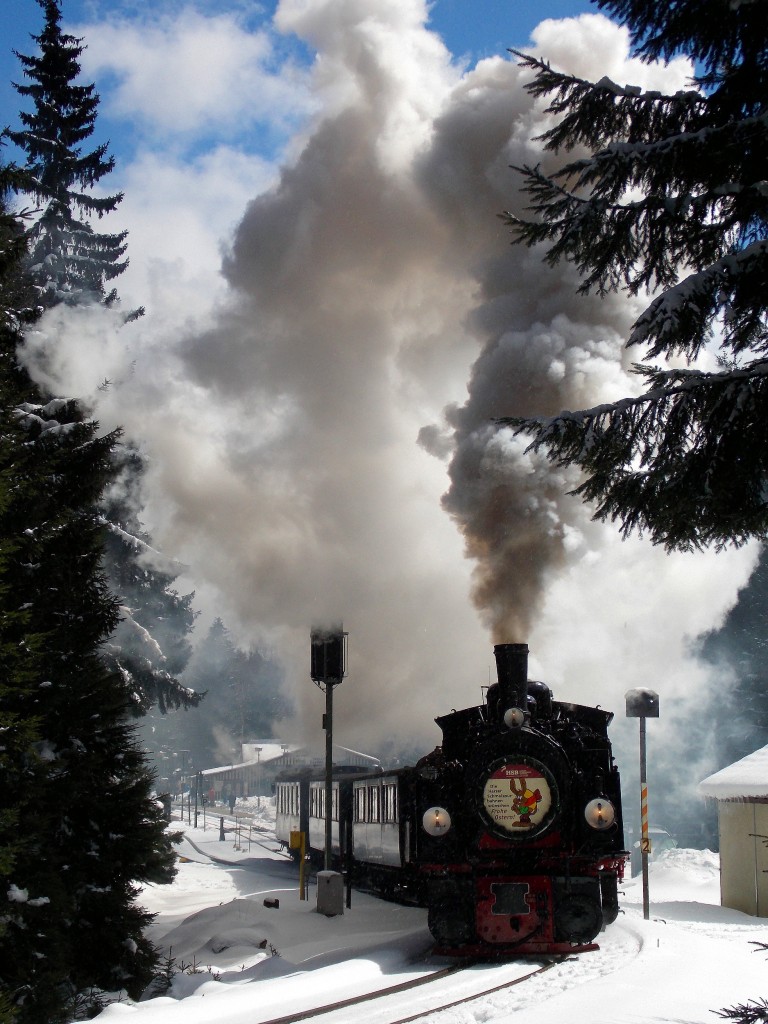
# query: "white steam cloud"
[[371, 321]]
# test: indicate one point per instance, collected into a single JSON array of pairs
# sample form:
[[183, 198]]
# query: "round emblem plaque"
[[517, 797]]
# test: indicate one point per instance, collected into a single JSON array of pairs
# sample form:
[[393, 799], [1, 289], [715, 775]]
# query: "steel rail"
[[342, 1004], [244, 865], [477, 995]]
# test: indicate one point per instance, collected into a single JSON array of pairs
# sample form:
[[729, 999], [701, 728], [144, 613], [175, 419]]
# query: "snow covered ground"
[[256, 963]]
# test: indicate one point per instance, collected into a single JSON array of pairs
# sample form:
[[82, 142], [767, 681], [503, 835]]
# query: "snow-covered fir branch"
[[149, 555]]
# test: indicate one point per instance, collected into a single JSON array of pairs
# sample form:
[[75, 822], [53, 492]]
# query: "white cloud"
[[190, 73], [591, 46], [179, 213]]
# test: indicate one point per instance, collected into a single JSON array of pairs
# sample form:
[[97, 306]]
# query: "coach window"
[[373, 804], [390, 801], [360, 803]]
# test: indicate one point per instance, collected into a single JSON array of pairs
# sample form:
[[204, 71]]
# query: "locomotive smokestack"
[[512, 671]]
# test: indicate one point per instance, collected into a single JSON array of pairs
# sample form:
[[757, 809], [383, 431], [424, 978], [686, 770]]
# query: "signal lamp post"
[[642, 704], [328, 668], [258, 776]]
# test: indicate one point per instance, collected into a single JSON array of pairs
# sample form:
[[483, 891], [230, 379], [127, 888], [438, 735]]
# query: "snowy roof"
[[289, 754], [229, 767], [268, 750], [746, 779]]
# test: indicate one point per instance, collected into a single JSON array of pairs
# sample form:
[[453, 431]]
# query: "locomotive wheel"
[[514, 759], [454, 927], [451, 912], [578, 918]]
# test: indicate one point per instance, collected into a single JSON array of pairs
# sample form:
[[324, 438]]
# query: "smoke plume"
[[372, 320]]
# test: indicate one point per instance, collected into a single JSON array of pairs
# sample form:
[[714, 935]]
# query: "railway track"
[[253, 834], [382, 1015], [284, 860]]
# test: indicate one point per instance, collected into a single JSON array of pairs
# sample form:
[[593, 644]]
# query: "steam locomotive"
[[510, 832]]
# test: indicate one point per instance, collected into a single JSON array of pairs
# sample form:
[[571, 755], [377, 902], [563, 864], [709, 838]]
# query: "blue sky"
[[471, 30]]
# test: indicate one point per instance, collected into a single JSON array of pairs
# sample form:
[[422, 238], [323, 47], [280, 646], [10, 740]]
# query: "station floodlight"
[[642, 703], [328, 655]]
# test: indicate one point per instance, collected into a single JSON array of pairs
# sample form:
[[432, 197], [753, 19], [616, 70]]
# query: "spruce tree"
[[18, 680], [78, 827], [243, 700], [68, 260], [672, 199], [739, 644], [150, 646], [70, 263]]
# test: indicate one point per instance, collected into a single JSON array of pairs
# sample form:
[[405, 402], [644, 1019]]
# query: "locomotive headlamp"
[[436, 821], [600, 813], [514, 718]]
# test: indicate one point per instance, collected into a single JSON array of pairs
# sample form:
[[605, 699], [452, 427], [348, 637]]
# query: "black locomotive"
[[510, 832]]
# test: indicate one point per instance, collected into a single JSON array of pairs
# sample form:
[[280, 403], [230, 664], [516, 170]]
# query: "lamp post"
[[258, 776], [184, 759], [328, 668], [643, 704]]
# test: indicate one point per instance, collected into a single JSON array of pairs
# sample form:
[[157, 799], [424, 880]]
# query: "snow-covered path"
[[692, 958]]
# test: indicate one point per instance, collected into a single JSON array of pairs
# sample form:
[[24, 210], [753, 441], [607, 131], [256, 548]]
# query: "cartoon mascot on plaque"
[[524, 801]]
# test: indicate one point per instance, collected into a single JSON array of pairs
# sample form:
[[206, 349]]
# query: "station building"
[[741, 792], [263, 760]]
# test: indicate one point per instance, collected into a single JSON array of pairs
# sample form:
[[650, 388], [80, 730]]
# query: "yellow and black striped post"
[[645, 840], [643, 704], [298, 841]]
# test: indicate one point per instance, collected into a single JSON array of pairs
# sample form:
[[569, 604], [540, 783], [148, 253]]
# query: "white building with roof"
[[741, 792], [263, 760]]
